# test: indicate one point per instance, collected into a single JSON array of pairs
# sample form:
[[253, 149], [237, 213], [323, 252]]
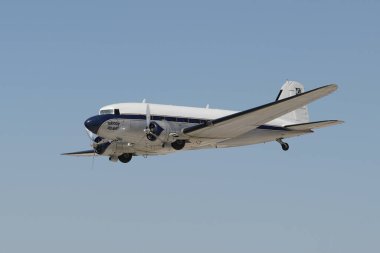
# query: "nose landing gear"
[[284, 145]]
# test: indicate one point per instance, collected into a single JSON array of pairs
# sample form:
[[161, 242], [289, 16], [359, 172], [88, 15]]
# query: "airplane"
[[121, 131]]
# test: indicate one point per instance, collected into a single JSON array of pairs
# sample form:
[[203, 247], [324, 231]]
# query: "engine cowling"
[[101, 148], [154, 131]]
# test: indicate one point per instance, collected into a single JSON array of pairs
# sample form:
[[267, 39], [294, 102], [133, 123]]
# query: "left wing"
[[82, 153], [236, 124]]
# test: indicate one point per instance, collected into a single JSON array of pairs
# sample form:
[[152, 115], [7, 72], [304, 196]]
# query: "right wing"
[[238, 123]]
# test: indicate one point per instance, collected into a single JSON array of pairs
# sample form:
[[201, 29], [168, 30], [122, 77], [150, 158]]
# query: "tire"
[[125, 158], [285, 146], [178, 144]]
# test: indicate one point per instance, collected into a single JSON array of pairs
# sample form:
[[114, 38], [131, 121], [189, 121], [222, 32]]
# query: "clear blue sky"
[[60, 61]]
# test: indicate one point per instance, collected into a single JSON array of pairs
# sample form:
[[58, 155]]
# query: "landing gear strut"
[[284, 145]]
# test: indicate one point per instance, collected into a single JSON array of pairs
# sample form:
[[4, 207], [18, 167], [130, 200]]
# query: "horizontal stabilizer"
[[82, 153], [313, 125]]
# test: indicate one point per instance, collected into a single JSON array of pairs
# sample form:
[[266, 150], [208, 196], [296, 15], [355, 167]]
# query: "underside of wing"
[[313, 125], [81, 153], [236, 124]]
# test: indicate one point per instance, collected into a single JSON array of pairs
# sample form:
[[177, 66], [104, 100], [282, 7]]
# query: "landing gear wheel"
[[178, 144], [124, 158], [285, 146]]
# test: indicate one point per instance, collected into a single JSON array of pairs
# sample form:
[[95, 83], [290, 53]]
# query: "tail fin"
[[289, 89]]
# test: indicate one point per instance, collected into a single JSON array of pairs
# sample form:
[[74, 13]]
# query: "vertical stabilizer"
[[289, 89]]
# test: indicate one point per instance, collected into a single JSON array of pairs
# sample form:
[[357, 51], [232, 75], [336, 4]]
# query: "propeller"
[[92, 137], [93, 160], [98, 144], [148, 131], [95, 140], [152, 129], [147, 116]]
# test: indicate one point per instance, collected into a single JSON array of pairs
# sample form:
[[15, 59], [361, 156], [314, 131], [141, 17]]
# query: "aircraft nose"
[[93, 124]]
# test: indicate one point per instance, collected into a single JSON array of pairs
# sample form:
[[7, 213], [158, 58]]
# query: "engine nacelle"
[[101, 148], [155, 130]]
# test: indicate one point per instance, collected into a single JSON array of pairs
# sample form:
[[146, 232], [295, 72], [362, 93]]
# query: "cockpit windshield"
[[107, 111]]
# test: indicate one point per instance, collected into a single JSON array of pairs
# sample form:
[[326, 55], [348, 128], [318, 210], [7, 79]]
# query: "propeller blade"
[[93, 161], [91, 135], [147, 116]]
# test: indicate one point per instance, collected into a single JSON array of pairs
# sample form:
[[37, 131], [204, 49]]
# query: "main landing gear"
[[125, 158], [178, 144], [284, 145]]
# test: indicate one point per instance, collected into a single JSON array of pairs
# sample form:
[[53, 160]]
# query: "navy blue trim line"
[[100, 119], [105, 117], [268, 127], [278, 96]]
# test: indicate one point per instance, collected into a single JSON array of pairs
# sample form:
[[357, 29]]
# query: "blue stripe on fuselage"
[[178, 119], [154, 117]]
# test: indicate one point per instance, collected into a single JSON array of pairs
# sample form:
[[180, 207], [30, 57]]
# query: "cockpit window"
[[108, 111]]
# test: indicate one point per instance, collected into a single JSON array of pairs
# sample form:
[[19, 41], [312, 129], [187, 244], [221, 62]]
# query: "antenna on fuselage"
[[207, 106], [144, 101]]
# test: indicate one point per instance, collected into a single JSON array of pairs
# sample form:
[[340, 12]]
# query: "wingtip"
[[333, 87], [336, 122], [328, 89]]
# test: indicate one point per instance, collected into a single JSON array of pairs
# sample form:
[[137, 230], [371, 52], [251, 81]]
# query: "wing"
[[313, 125], [236, 124], [82, 153]]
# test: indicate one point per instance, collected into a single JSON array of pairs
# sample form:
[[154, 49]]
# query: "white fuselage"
[[129, 121], [175, 111]]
